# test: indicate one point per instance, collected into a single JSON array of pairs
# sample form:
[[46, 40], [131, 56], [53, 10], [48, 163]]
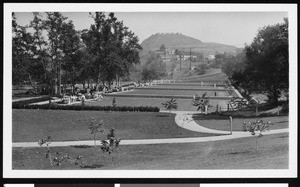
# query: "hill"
[[183, 42]]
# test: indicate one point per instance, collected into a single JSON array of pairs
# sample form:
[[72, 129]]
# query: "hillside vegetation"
[[183, 42]]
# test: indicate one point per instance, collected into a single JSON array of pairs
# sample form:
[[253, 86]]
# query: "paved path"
[[182, 119]]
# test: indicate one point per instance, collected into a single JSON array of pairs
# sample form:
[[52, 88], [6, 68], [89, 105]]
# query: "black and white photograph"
[[163, 90]]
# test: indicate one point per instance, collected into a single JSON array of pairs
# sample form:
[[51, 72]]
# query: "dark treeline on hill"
[[183, 42]]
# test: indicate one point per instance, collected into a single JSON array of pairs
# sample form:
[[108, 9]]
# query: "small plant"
[[257, 128], [240, 103], [110, 145], [57, 158], [114, 104], [169, 105], [96, 127], [201, 102]]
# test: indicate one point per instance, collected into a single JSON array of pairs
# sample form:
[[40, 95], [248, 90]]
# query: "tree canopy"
[[50, 50], [267, 63]]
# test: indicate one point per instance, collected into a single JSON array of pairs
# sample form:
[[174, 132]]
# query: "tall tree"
[[23, 65], [73, 51], [113, 48], [54, 25], [267, 62]]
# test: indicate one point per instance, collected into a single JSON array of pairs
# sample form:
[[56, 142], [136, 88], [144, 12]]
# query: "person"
[[195, 97], [82, 100]]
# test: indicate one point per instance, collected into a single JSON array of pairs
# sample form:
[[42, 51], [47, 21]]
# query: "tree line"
[[263, 66], [52, 52]]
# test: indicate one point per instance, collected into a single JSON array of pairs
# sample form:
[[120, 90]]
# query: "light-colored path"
[[149, 141]]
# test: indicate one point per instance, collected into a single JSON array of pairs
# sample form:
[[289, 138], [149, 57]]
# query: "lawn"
[[175, 92], [32, 125], [183, 104], [185, 86], [229, 154], [223, 123], [169, 92]]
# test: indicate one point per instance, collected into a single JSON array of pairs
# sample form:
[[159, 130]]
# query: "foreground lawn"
[[183, 104], [32, 125], [229, 154], [223, 123]]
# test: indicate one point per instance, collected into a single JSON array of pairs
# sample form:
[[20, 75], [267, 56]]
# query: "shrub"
[[169, 105]]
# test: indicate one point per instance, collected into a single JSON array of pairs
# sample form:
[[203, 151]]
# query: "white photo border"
[[8, 172]]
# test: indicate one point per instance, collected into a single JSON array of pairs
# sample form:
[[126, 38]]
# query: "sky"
[[231, 28]]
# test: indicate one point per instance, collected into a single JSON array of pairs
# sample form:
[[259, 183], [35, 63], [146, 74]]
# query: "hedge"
[[86, 107]]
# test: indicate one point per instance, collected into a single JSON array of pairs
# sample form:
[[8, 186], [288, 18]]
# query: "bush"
[[95, 108]]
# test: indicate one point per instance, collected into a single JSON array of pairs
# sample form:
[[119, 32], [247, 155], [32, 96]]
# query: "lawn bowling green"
[[154, 95]]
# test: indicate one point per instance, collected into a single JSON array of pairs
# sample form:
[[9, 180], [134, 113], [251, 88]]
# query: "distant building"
[[166, 58], [186, 57], [170, 51], [211, 57]]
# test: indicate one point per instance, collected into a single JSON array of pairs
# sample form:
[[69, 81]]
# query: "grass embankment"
[[229, 154], [223, 123], [32, 125]]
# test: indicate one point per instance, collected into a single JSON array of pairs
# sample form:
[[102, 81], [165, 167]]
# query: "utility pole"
[[180, 61], [190, 58]]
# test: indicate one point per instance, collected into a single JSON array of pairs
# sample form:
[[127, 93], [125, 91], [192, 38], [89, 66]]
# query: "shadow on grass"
[[162, 115], [93, 166], [240, 152], [81, 146]]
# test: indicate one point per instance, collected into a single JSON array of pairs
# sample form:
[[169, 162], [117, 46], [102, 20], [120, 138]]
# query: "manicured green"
[[229, 154], [174, 92], [32, 125], [223, 122], [183, 104]]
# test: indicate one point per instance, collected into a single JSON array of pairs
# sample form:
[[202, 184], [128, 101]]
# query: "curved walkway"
[[182, 119]]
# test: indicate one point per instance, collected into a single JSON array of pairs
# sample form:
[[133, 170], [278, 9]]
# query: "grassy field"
[[229, 154], [179, 86], [32, 125], [223, 122], [183, 104], [175, 92]]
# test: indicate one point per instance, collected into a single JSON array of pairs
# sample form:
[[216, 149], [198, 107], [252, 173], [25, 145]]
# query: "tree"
[[73, 53], [162, 48], [41, 51], [24, 66], [267, 63], [112, 46], [257, 127], [233, 64], [201, 69], [149, 74], [54, 24]]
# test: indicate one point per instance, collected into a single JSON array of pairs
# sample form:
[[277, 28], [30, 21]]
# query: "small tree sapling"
[[110, 145], [96, 127], [257, 127], [57, 158]]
